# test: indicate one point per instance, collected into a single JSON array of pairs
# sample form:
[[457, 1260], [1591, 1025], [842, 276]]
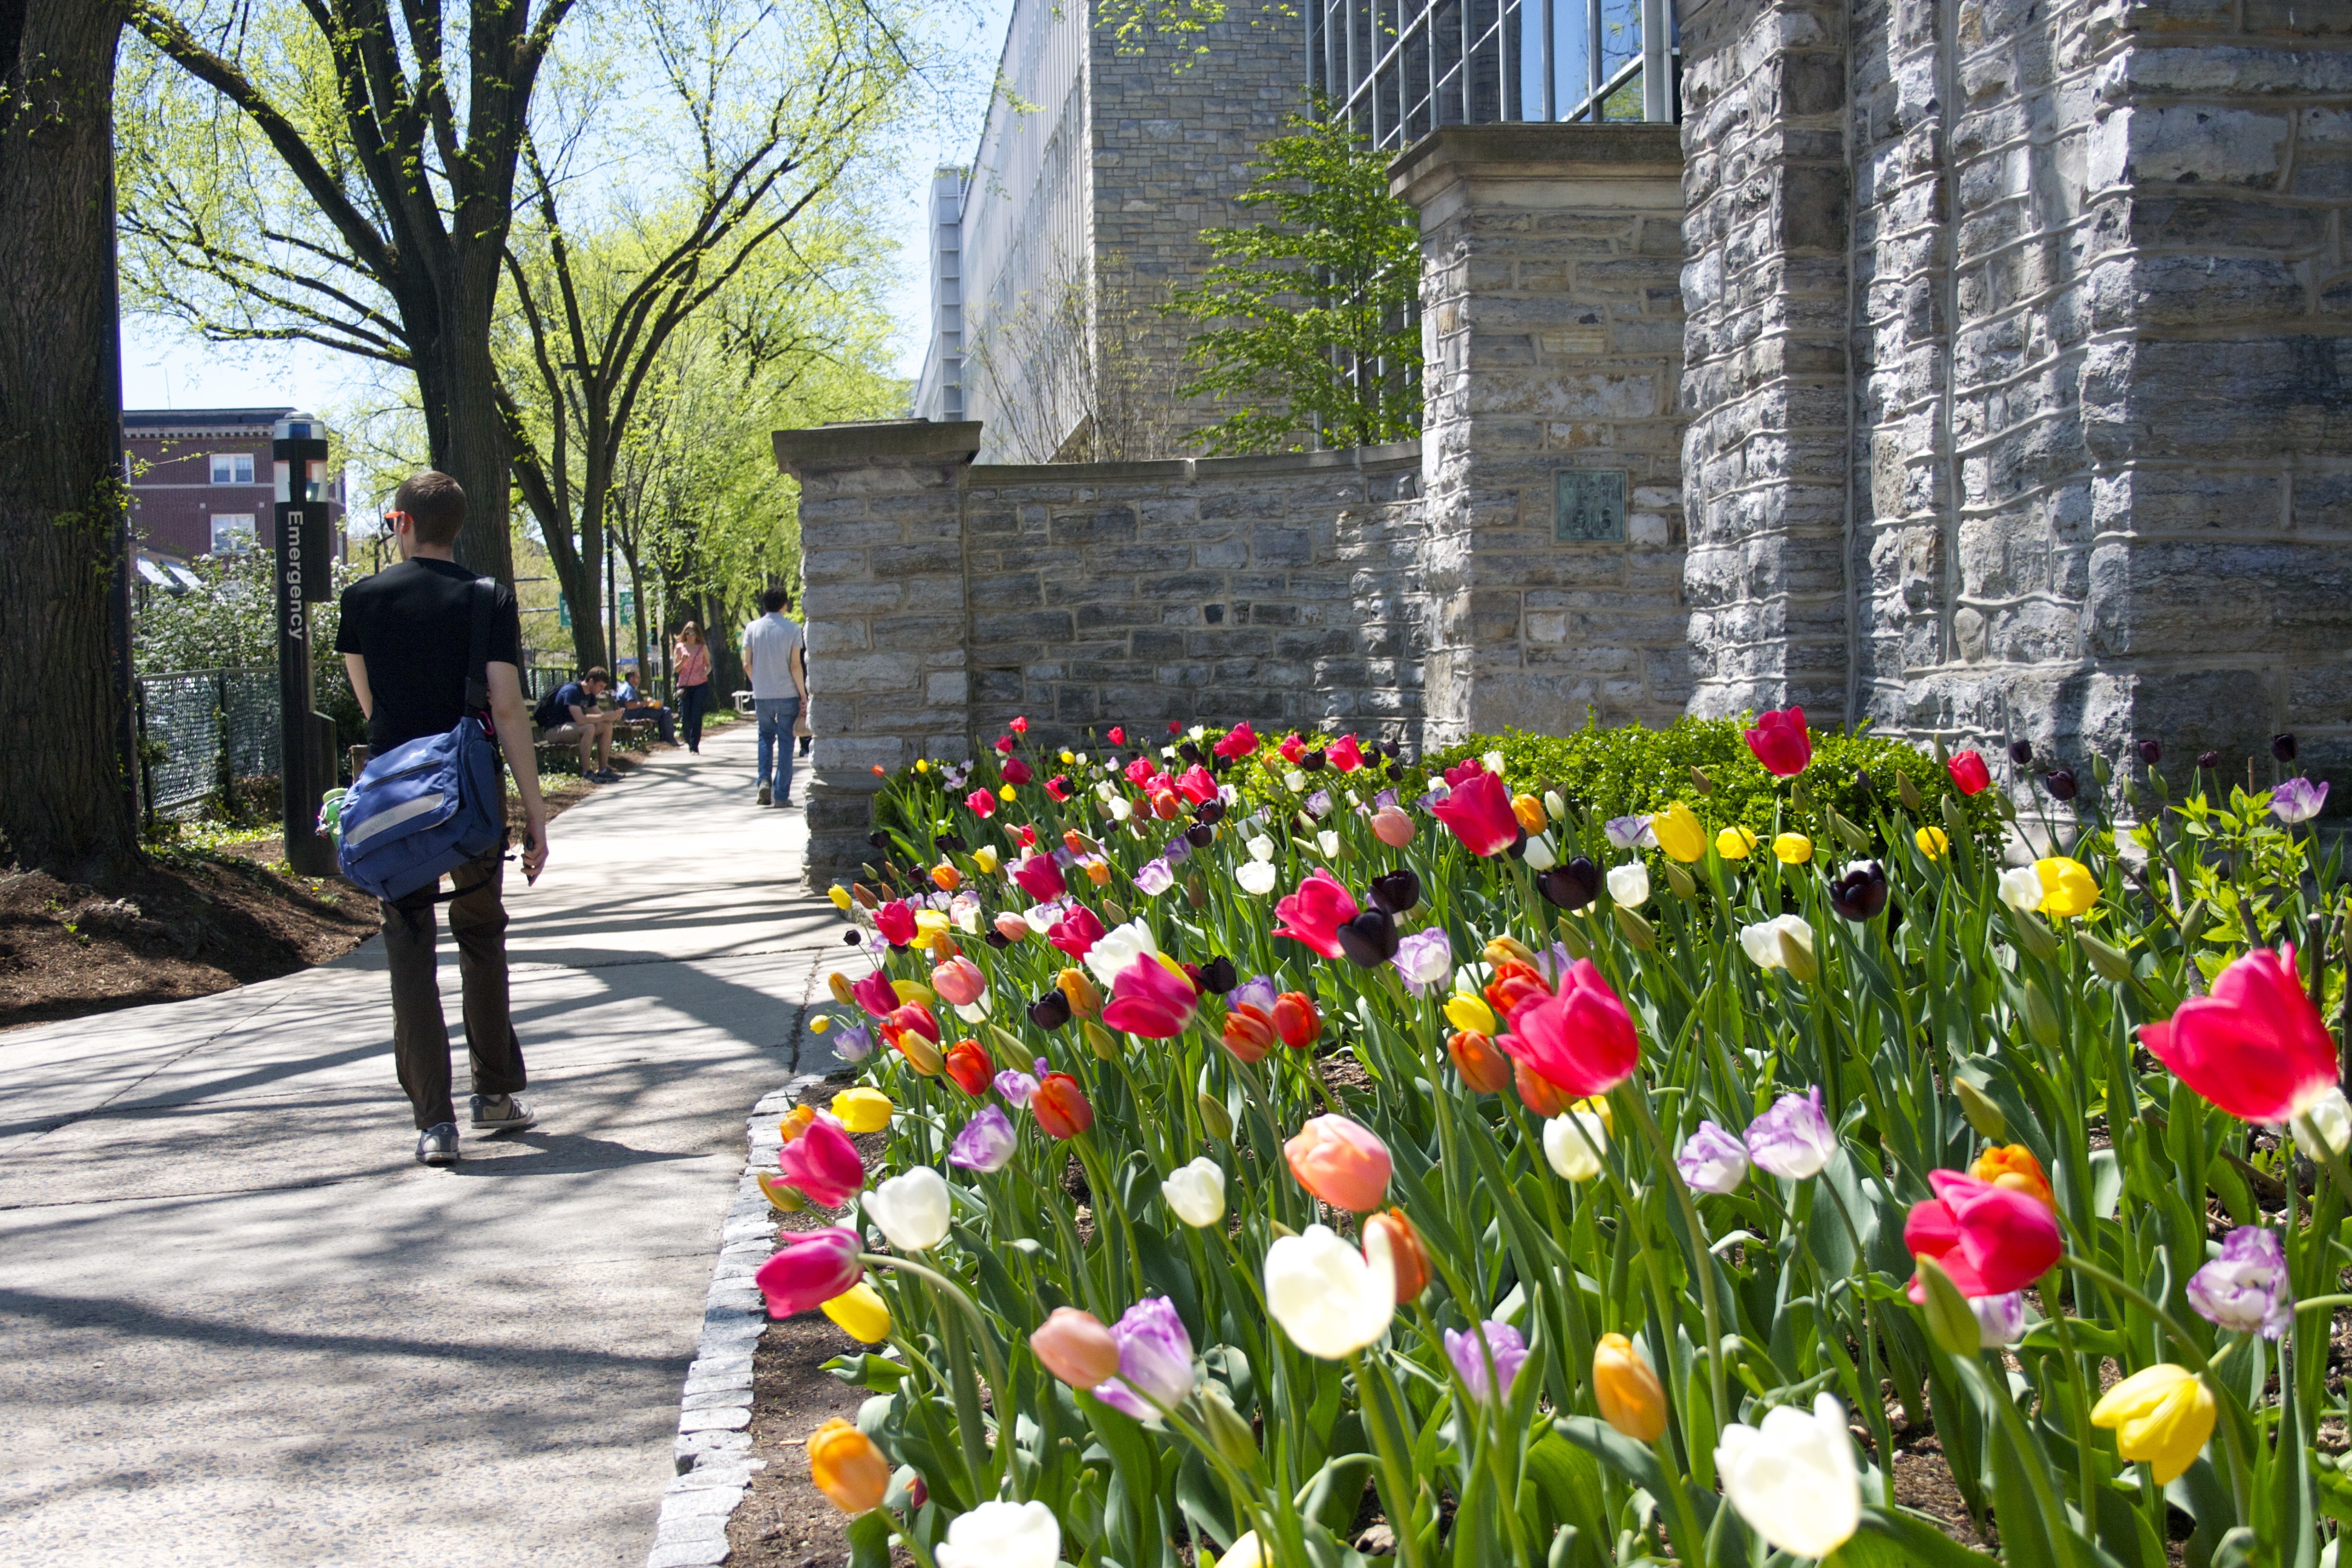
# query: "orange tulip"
[[922, 1055], [1530, 811], [1628, 1392], [947, 876], [1296, 1019], [1342, 1162], [847, 1467], [1249, 1032], [1484, 1069], [1076, 843], [1086, 997], [1536, 1093], [1514, 985], [1502, 950], [1074, 1347], [1166, 806], [1409, 1258], [796, 1121], [2015, 1167]]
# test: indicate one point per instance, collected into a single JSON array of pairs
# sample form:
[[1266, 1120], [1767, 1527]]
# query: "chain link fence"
[[199, 730]]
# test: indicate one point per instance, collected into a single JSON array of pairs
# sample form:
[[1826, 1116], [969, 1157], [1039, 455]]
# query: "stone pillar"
[[882, 555], [1551, 470]]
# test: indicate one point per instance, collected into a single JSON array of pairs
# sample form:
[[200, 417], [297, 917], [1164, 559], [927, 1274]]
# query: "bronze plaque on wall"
[[1589, 506]]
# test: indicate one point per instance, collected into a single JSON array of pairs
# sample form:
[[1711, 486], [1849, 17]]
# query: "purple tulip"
[[1177, 850], [1792, 1140], [853, 1042], [1469, 1356], [1155, 878], [1318, 804], [1259, 991], [1155, 1360], [2298, 800], [2245, 1290], [1426, 959], [2002, 1317], [1712, 1160], [1631, 833], [987, 1141], [1017, 1086]]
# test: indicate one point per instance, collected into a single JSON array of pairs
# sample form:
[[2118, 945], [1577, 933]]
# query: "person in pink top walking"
[[691, 659]]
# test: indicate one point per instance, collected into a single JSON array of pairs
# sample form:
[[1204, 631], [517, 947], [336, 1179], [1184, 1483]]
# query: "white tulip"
[[912, 1209], [1540, 854], [973, 1012], [1762, 940], [1630, 884], [1198, 731], [1331, 1299], [1118, 947], [1294, 781], [2020, 888], [1082, 759], [1106, 790], [1794, 1481], [2327, 1119], [1256, 877], [1196, 1192], [1120, 808], [1494, 761], [1261, 847], [1002, 1536], [1244, 1552], [1042, 917], [1329, 841], [1573, 1143]]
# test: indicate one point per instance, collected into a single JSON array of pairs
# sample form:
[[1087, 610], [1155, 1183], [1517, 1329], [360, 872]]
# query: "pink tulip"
[[1147, 999], [1074, 1346], [1040, 877], [809, 1270], [875, 994], [1077, 932], [1579, 1040], [1393, 828], [895, 921], [2256, 1046], [1342, 1162], [959, 980], [1479, 814], [980, 802], [1238, 741], [1314, 913], [1780, 741], [824, 1164], [1011, 927], [1197, 785], [1991, 1240]]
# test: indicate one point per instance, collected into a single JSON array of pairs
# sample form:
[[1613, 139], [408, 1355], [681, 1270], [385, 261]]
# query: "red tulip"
[[1991, 1240], [1058, 787], [810, 1270], [980, 802], [1017, 772], [1315, 912], [1295, 1021], [876, 995], [1292, 748], [824, 1164], [1075, 932], [1249, 1031], [1139, 770], [1174, 728], [968, 1064], [1460, 773], [1150, 1000], [2256, 1046], [1342, 1162], [1582, 1040], [1020, 725], [1479, 814], [1040, 877], [1004, 743], [1060, 1106], [1780, 741], [1969, 775], [1344, 754], [1117, 736], [1197, 785], [1238, 741], [1026, 837], [895, 921]]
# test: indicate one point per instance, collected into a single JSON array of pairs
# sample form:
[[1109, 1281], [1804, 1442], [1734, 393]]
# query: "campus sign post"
[[305, 576]]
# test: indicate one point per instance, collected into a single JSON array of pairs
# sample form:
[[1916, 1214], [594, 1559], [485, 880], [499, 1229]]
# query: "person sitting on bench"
[[638, 702], [571, 713]]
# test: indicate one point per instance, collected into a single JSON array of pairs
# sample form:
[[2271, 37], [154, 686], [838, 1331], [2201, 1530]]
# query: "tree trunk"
[[68, 800]]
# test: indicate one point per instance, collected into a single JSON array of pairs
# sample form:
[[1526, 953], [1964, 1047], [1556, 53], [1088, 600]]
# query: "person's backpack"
[[553, 711], [430, 805]]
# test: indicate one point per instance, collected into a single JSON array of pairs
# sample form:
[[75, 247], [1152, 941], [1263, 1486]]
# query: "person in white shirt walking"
[[774, 658]]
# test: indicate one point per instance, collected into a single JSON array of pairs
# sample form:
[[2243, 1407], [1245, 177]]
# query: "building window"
[[233, 530], [232, 469]]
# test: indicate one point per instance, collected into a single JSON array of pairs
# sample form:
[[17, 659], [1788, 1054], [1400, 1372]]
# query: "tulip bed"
[[1270, 1119]]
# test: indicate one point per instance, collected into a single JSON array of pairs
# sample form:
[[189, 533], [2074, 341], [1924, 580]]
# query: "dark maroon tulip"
[[1218, 975], [1200, 836], [1310, 762], [2060, 783], [1050, 1011], [1860, 894], [947, 841], [1210, 811], [1572, 886], [1370, 940], [2283, 746], [1190, 751], [2021, 753], [1397, 892], [850, 938], [2151, 752], [879, 839], [996, 939], [2208, 759]]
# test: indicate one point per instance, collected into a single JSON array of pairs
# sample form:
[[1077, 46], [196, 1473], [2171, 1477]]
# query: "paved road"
[[239, 1325]]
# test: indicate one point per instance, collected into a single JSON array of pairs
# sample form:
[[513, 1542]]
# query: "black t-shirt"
[[413, 624]]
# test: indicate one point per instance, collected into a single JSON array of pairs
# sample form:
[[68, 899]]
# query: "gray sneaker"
[[764, 796], [501, 1114], [438, 1144]]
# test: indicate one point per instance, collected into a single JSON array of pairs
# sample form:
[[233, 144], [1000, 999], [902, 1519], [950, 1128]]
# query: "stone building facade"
[[1976, 369]]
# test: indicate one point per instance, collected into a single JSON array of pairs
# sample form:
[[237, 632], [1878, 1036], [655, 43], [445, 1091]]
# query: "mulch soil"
[[186, 922]]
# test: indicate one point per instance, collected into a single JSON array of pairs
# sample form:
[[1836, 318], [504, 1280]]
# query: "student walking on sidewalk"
[[404, 637], [690, 657], [773, 659]]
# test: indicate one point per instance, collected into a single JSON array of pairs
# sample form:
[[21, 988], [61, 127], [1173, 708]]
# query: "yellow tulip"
[[2067, 886], [1678, 832], [1598, 1105], [985, 859], [1792, 848], [820, 1023], [2162, 1414], [1933, 842], [1509, 949], [929, 923], [1006, 794], [847, 1467], [782, 1198], [914, 990], [1734, 843], [863, 1110], [861, 1313], [1086, 997], [840, 897], [1465, 1011], [838, 984], [1069, 757], [921, 765], [1629, 1394]]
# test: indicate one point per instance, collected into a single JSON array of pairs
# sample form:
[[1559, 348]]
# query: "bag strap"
[[477, 655]]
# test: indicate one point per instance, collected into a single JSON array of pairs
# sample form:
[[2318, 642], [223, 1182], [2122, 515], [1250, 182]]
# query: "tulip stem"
[[1395, 1469], [999, 1383], [921, 1553], [1702, 1260]]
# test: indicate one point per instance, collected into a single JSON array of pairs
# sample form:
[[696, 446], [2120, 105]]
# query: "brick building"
[[201, 480]]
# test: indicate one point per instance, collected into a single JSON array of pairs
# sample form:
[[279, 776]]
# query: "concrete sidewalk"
[[239, 1325]]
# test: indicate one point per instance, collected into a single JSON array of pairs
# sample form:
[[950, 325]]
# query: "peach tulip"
[[1342, 1162]]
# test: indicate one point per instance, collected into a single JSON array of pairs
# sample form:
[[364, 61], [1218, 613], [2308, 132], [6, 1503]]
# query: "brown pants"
[[420, 1035]]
